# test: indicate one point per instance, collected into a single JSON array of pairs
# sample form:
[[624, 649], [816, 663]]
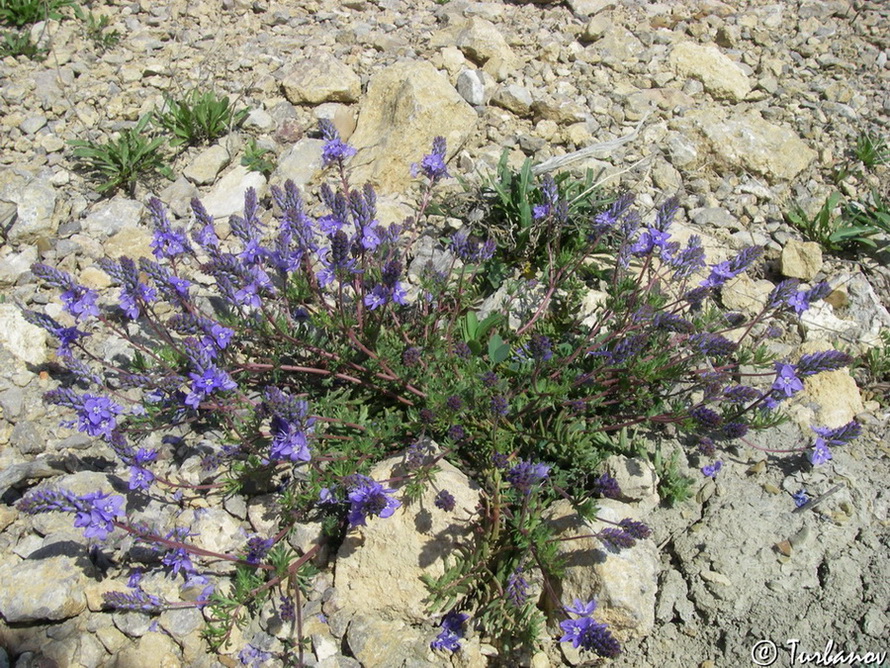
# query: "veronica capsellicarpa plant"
[[319, 355]]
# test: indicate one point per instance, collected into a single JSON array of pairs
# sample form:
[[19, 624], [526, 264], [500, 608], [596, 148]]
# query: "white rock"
[[207, 164], [227, 197], [110, 218], [801, 259], [474, 87], [24, 340], [721, 76], [35, 201], [14, 265], [34, 590], [301, 163], [321, 78], [427, 106]]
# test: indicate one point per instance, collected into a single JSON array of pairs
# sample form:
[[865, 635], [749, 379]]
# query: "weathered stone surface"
[[153, 650], [407, 105], [637, 479], [34, 590], [379, 565], [13, 265], [623, 583], [475, 86], [834, 393], [721, 76], [207, 165], [749, 141], [36, 202], [134, 242], [515, 98], [301, 163], [322, 78], [25, 341], [109, 219], [228, 195], [801, 259], [378, 643], [745, 294], [481, 40]]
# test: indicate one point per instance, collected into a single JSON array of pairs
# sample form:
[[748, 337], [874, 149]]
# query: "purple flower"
[[67, 336], [500, 406], [517, 588], [452, 631], [712, 345], [787, 382], [525, 475], [706, 417], [587, 633], [540, 348], [445, 501], [257, 548], [607, 487], [800, 498], [433, 164], [289, 441], [734, 429], [140, 478], [80, 302], [689, 260], [470, 250], [839, 435], [206, 382], [672, 323], [740, 394], [177, 558], [820, 454], [166, 242], [368, 497], [97, 416], [334, 149], [637, 530], [253, 657], [96, 512], [137, 601], [411, 356], [828, 360], [711, 470], [549, 198], [286, 610], [616, 538]]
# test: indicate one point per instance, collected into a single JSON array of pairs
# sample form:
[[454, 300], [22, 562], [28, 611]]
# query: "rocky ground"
[[740, 108]]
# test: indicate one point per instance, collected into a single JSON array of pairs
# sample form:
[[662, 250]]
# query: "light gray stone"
[[636, 478], [514, 98], [259, 120], [217, 531], [721, 76], [227, 197], [15, 264], [801, 259], [26, 438], [426, 106], [321, 78], [590, 7], [301, 163], [36, 202], [39, 590], [749, 141], [114, 216], [475, 87], [25, 341], [11, 401], [32, 123], [481, 40], [207, 165]]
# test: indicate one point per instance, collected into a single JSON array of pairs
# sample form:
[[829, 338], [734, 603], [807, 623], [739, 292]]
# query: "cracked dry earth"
[[742, 108]]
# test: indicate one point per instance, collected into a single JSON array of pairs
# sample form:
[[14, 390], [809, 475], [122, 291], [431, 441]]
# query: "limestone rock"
[[14, 265], [210, 162], [228, 195], [622, 583], [407, 105], [861, 319], [153, 650], [321, 79], [379, 644], [801, 259], [35, 590], [475, 86], [514, 98], [590, 7], [36, 202], [481, 40], [636, 478], [301, 163], [721, 76], [24, 340], [134, 242], [834, 392], [743, 293], [749, 141], [109, 219], [379, 565]]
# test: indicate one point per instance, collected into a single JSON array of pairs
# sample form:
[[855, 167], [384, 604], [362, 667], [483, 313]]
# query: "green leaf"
[[498, 350]]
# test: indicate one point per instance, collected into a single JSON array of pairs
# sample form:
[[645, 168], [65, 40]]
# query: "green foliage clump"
[[21, 13], [122, 161], [199, 118]]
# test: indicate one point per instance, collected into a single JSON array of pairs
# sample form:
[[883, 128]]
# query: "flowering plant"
[[328, 342]]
